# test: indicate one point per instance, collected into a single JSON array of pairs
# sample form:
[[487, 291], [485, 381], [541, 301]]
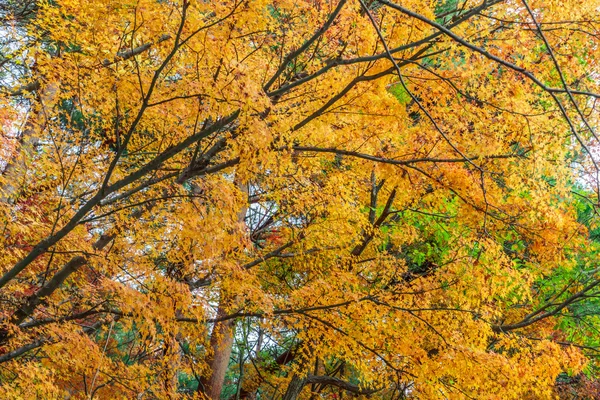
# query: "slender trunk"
[[221, 344], [294, 388], [296, 384], [221, 340]]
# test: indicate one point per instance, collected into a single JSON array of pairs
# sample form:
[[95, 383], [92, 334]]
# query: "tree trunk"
[[294, 388], [221, 339], [221, 344]]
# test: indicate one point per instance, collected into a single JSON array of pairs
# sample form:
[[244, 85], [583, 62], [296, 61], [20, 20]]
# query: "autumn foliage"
[[299, 199]]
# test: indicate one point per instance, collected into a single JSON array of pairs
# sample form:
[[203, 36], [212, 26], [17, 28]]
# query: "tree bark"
[[221, 340], [294, 388], [221, 344], [296, 385]]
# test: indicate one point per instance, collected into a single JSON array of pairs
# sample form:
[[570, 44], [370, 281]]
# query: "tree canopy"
[[299, 199]]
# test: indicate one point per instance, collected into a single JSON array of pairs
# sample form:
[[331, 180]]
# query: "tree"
[[370, 198]]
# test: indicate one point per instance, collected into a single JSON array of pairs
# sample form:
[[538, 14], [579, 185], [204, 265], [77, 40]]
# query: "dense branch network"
[[339, 175]]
